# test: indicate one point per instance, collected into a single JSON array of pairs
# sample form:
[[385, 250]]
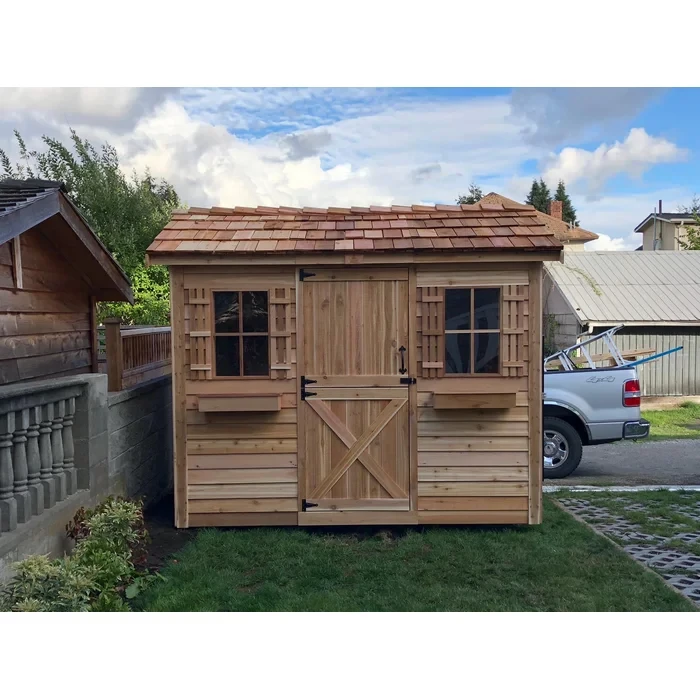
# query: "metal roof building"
[[655, 294], [650, 288]]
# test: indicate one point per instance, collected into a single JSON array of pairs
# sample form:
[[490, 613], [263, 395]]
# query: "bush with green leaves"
[[151, 307], [102, 573], [126, 213]]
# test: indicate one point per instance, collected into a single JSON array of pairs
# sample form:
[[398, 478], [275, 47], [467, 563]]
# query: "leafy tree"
[[692, 208], [539, 196], [691, 241], [126, 213], [475, 195], [692, 235], [151, 307], [568, 211]]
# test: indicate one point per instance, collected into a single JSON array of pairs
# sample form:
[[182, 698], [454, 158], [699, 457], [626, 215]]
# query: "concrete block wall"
[[140, 440]]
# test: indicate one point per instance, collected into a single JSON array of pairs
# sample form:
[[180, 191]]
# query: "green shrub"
[[41, 585], [151, 286], [100, 574]]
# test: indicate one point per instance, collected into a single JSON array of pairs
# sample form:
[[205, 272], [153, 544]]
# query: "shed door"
[[356, 425]]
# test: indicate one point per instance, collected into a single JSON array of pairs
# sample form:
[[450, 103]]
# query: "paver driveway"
[[662, 462], [658, 529]]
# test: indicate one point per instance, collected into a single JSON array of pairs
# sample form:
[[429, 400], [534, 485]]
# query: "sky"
[[619, 150]]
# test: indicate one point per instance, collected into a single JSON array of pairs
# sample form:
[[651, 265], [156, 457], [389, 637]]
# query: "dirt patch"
[[166, 539]]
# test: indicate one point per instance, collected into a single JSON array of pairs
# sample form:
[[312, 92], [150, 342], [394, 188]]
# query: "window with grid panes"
[[241, 334], [473, 330]]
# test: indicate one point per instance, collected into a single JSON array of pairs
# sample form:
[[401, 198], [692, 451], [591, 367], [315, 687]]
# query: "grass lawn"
[[561, 565], [672, 424]]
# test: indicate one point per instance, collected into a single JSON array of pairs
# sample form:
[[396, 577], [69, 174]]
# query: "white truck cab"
[[588, 405]]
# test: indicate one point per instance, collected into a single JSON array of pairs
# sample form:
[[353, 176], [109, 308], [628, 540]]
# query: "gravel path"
[[663, 462]]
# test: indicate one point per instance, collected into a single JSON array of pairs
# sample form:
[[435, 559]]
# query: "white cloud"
[[605, 242], [117, 107], [634, 156], [421, 152], [350, 147], [552, 116]]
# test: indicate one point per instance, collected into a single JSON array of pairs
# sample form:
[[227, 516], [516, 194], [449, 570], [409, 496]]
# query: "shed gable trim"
[[28, 214], [40, 208]]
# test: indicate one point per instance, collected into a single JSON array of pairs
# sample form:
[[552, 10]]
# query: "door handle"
[[403, 369]]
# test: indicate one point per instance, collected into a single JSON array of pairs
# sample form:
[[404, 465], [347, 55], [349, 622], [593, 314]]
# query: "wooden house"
[[347, 366], [53, 269]]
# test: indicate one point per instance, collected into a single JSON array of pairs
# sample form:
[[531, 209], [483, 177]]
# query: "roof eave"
[[680, 219], [549, 254], [637, 322], [581, 238]]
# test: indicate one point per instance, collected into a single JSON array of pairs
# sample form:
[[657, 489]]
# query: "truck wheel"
[[562, 448]]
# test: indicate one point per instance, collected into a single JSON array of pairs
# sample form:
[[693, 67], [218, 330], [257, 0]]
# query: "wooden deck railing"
[[134, 355]]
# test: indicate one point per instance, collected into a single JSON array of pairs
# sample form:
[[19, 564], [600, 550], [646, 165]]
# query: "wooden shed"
[[352, 366], [53, 269]]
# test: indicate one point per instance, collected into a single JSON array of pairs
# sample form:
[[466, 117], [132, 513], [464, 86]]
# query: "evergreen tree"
[[545, 197], [539, 196], [534, 194], [475, 194], [568, 211]]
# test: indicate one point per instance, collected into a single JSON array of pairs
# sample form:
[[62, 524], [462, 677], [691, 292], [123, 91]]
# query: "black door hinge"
[[303, 274], [304, 383], [307, 504], [407, 380]]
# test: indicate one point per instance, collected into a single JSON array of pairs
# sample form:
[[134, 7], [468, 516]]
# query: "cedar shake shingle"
[[493, 226], [554, 226]]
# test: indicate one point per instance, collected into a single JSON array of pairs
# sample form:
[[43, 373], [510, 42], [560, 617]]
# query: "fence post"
[[114, 352]]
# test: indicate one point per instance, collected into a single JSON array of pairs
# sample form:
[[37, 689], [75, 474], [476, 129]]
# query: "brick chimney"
[[555, 209]]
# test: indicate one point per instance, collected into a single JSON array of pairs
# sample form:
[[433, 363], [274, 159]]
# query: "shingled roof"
[[17, 193], [559, 228], [244, 230]]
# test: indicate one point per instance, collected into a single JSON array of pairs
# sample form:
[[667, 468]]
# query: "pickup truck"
[[588, 407]]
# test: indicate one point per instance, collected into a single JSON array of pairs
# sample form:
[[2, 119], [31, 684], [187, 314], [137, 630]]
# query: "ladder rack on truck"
[[563, 360]]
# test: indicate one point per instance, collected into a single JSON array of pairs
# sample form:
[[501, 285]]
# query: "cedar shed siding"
[[52, 269], [46, 324], [347, 288]]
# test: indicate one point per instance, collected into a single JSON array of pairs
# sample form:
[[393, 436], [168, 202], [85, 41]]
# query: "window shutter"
[[283, 333], [431, 331], [515, 326], [198, 345]]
